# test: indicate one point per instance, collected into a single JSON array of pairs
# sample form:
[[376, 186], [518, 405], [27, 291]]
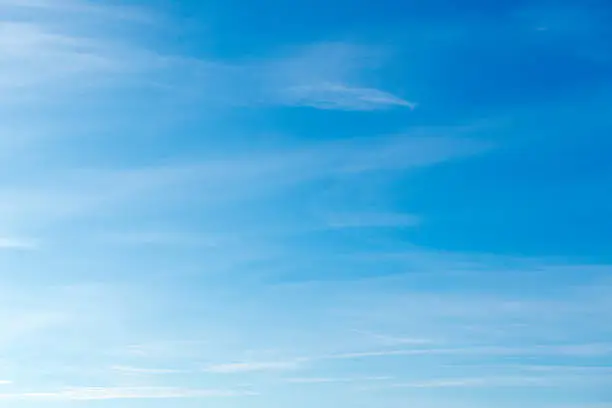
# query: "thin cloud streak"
[[572, 350], [82, 191], [342, 97], [323, 380], [371, 220], [122, 393], [46, 56], [488, 382], [562, 350], [8, 243], [141, 370], [232, 368]]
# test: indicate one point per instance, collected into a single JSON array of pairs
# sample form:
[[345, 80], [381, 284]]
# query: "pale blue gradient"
[[295, 204]]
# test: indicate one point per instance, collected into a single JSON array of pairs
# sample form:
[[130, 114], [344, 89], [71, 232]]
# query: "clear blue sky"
[[272, 204]]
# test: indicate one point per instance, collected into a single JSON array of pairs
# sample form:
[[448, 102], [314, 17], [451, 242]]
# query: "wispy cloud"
[[7, 243], [555, 350], [536, 350], [580, 27], [79, 192], [160, 238], [46, 56], [395, 340], [39, 56], [142, 370], [63, 65], [26, 314], [330, 76], [365, 220], [342, 97], [83, 8], [552, 380], [231, 368], [107, 129], [331, 380], [121, 393], [159, 352], [477, 382]]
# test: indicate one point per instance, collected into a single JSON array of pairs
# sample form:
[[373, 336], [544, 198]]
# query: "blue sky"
[[293, 204]]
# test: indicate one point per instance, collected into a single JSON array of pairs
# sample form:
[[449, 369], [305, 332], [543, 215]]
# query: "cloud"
[[400, 352], [63, 73], [162, 349], [39, 57], [141, 370], [342, 97], [393, 340], [82, 192], [495, 381], [83, 8], [160, 239], [371, 220], [329, 76], [121, 393], [562, 369], [63, 64], [232, 368], [67, 55], [574, 350], [47, 55], [8, 243], [494, 351], [580, 28], [79, 176], [416, 148], [28, 314], [324, 380], [477, 382]]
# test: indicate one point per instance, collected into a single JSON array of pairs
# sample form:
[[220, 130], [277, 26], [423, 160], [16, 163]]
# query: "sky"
[[281, 203]]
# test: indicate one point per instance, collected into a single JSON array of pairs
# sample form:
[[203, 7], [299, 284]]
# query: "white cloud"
[[580, 27], [246, 367], [55, 61], [80, 192], [365, 220], [120, 393], [9, 243], [496, 381], [161, 238], [561, 369], [328, 380], [41, 61], [163, 350], [558, 350], [47, 55], [141, 370], [329, 76], [394, 340], [21, 321], [69, 8], [477, 382], [50, 57], [342, 97]]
